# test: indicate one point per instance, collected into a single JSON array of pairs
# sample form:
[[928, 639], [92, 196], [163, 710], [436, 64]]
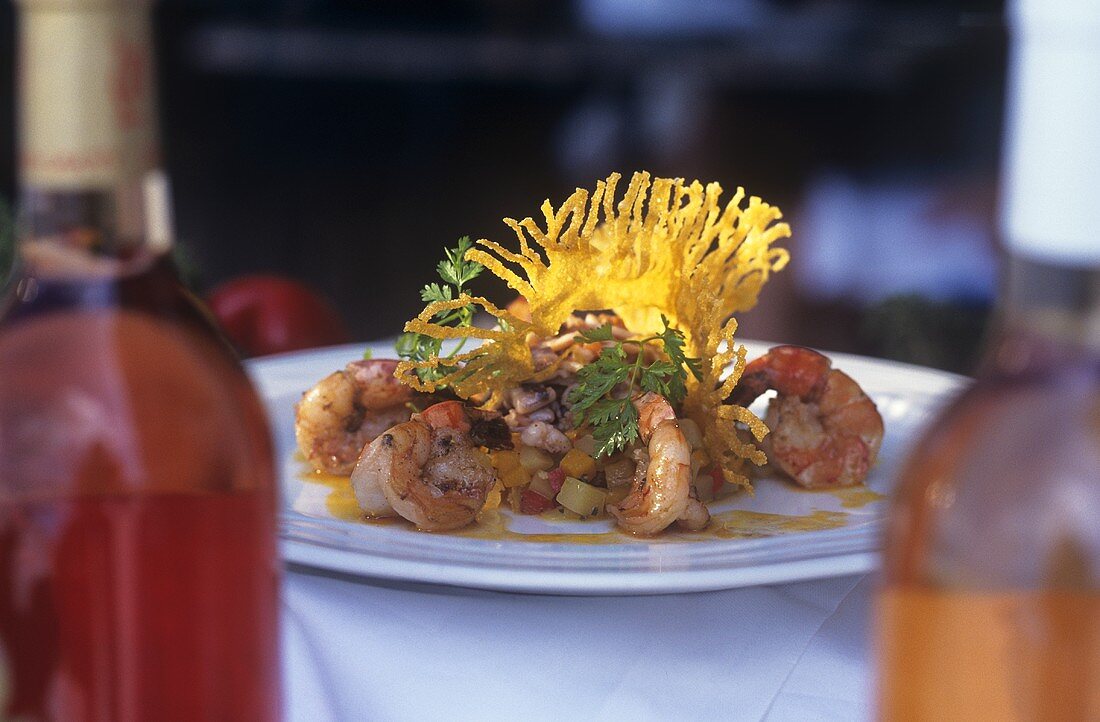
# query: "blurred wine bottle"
[[138, 567], [990, 600]]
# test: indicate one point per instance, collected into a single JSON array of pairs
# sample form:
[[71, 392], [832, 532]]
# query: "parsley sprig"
[[614, 421], [456, 272]]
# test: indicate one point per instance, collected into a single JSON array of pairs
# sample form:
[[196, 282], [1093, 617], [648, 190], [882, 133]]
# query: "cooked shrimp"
[[663, 494], [825, 431], [696, 515], [429, 469], [346, 409]]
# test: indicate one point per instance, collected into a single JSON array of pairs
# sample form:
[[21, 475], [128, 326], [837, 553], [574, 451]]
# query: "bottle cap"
[[1051, 173]]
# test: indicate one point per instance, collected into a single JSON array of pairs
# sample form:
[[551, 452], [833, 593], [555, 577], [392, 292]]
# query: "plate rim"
[[581, 583]]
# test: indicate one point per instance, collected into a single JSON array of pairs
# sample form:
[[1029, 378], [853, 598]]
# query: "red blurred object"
[[557, 479], [266, 314]]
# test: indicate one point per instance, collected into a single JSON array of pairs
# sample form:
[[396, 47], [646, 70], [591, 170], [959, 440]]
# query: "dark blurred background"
[[344, 143]]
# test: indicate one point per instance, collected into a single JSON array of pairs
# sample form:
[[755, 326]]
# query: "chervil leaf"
[[435, 292], [455, 271], [673, 341], [661, 377], [598, 379], [662, 369], [695, 366], [406, 345], [614, 421], [602, 333], [606, 410], [619, 429]]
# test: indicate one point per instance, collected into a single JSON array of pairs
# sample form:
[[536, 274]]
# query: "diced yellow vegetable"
[[534, 459], [492, 500], [516, 476], [505, 460], [540, 483], [619, 472], [691, 432], [585, 443], [577, 463], [581, 498]]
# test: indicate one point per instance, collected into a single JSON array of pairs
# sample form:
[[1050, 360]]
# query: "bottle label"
[[86, 112]]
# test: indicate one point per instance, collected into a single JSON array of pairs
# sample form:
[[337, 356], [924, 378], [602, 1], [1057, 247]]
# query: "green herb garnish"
[[614, 421], [456, 272]]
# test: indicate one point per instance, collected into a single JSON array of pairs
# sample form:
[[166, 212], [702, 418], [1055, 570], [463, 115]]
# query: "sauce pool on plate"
[[494, 524]]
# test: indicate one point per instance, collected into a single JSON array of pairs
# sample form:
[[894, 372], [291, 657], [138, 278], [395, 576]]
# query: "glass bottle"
[[138, 564], [989, 606]]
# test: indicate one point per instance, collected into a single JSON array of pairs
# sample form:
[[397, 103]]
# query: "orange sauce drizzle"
[[493, 525], [856, 497]]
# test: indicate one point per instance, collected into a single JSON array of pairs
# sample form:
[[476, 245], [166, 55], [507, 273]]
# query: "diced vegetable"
[[581, 498], [691, 432], [556, 478], [619, 472], [616, 495], [492, 500], [585, 443], [514, 495], [540, 483], [577, 463], [516, 476], [708, 482], [505, 460], [534, 503], [534, 459], [717, 479]]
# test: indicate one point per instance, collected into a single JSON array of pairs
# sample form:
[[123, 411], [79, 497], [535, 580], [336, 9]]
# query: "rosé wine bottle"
[[138, 569]]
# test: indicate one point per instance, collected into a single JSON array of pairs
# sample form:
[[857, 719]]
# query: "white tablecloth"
[[363, 650]]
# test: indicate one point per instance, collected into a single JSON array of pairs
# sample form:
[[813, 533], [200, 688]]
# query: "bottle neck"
[[1048, 312], [88, 153]]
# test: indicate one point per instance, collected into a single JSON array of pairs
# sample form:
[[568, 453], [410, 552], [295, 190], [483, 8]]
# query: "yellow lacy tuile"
[[667, 247]]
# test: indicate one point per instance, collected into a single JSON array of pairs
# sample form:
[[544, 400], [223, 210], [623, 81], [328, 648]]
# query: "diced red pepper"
[[717, 479], [532, 502], [556, 478]]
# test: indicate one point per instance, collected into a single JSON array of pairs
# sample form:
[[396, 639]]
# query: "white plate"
[[906, 396]]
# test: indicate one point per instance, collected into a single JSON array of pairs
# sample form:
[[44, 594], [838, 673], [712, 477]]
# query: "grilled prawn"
[[825, 432], [429, 469]]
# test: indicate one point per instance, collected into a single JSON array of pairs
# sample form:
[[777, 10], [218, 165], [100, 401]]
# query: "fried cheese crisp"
[[666, 247]]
